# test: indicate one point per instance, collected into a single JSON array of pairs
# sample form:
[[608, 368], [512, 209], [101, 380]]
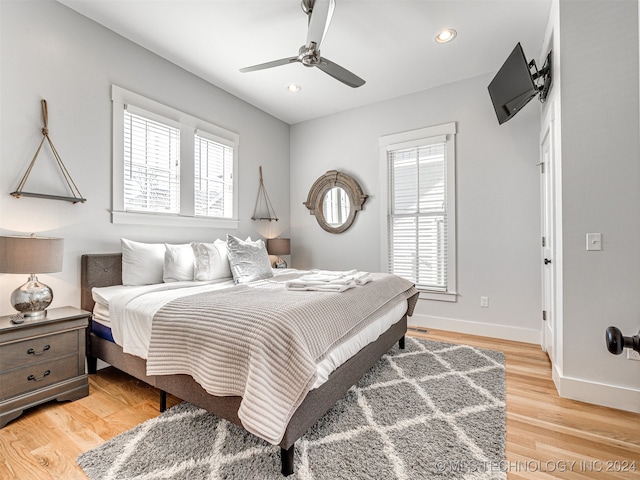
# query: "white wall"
[[600, 193], [50, 52], [498, 213]]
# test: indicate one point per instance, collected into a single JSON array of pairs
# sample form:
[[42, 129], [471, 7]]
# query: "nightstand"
[[42, 360]]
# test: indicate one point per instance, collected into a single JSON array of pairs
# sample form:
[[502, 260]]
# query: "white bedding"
[[129, 311]]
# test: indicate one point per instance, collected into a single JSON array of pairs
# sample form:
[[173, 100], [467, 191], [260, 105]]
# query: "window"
[[170, 168], [151, 165], [213, 178], [419, 225]]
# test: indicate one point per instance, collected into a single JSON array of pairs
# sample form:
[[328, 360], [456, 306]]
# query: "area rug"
[[432, 411]]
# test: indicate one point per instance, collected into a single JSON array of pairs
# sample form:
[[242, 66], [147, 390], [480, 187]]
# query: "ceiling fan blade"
[[319, 19], [275, 63], [340, 73]]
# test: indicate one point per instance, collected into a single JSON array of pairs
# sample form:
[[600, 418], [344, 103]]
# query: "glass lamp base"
[[32, 298], [279, 263]]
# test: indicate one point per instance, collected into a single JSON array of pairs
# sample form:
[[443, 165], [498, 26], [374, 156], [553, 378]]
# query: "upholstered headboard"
[[98, 270]]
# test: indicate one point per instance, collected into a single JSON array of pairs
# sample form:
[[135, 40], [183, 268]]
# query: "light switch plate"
[[594, 241]]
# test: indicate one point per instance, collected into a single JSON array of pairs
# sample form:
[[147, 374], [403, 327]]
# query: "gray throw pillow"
[[249, 260]]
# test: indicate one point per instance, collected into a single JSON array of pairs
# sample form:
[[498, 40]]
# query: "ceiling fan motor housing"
[[307, 6], [309, 56]]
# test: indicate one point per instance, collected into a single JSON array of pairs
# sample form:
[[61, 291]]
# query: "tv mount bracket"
[[545, 74]]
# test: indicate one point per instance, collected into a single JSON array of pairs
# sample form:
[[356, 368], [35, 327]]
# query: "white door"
[[547, 240]]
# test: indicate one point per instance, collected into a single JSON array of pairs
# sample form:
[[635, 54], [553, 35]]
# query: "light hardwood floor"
[[547, 436]]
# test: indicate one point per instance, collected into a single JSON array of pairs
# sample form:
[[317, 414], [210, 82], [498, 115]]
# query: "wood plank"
[[17, 461], [57, 463]]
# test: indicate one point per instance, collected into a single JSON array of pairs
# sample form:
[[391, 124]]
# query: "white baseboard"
[[492, 330], [621, 398]]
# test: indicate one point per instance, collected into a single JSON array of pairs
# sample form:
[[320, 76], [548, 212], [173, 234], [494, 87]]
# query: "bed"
[[104, 270]]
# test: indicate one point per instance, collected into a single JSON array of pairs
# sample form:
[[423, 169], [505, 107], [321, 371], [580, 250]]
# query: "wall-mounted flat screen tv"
[[513, 86]]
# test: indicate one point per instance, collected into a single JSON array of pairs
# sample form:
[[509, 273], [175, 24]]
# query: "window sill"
[[132, 218], [439, 296]]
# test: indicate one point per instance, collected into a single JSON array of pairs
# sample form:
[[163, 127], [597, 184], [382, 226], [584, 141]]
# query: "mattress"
[[124, 314]]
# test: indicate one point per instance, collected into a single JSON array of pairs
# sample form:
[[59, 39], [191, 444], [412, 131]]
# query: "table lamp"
[[31, 255], [277, 247]]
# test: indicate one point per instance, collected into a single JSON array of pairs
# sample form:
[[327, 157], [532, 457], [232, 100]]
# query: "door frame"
[[548, 314]]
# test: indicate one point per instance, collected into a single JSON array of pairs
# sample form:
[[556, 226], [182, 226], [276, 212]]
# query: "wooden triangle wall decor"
[[263, 209], [76, 196]]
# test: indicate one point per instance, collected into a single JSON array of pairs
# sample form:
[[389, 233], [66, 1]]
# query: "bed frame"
[[102, 270]]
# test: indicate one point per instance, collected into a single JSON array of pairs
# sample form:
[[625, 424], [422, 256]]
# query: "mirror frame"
[[322, 185]]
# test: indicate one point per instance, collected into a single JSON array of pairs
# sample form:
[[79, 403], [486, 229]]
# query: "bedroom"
[[42, 58]]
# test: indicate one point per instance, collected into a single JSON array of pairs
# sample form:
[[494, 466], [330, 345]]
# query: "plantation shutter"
[[151, 164], [417, 226], [213, 177]]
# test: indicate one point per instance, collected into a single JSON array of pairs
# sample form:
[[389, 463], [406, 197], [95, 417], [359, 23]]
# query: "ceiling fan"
[[320, 13]]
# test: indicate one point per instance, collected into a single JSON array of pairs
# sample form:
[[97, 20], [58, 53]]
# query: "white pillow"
[[179, 263], [142, 263], [248, 260], [211, 260]]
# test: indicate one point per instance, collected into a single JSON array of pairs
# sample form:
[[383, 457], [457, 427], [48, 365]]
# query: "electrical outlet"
[[594, 241], [632, 354], [484, 302]]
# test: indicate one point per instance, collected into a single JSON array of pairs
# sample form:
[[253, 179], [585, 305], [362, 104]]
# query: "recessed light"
[[293, 88], [446, 35]]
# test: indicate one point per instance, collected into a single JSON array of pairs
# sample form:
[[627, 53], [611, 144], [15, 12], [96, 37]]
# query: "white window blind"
[[213, 178], [417, 224], [151, 165]]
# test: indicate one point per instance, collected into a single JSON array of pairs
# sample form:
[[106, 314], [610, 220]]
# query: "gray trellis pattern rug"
[[432, 411]]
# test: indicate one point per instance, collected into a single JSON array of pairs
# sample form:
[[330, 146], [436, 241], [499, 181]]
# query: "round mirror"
[[335, 199], [336, 206]]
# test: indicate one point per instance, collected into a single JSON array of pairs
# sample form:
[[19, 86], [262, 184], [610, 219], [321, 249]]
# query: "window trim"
[[414, 138], [189, 125]]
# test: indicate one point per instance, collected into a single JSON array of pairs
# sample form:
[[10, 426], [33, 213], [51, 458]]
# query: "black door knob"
[[547, 261], [616, 342]]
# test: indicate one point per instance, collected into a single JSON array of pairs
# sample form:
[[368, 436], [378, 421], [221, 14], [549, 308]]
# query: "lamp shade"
[[279, 246], [31, 254]]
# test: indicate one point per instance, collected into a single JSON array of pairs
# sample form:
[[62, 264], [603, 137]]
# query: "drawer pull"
[[31, 351], [33, 377]]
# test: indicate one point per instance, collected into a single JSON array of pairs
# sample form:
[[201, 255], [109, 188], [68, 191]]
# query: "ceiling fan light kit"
[[319, 13]]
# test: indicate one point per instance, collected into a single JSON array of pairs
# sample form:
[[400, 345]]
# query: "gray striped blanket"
[[262, 342]]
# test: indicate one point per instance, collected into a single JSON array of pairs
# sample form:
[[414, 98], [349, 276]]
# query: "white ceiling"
[[389, 43]]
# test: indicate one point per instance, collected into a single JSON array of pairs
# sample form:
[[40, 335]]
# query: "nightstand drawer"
[[38, 349], [39, 375]]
